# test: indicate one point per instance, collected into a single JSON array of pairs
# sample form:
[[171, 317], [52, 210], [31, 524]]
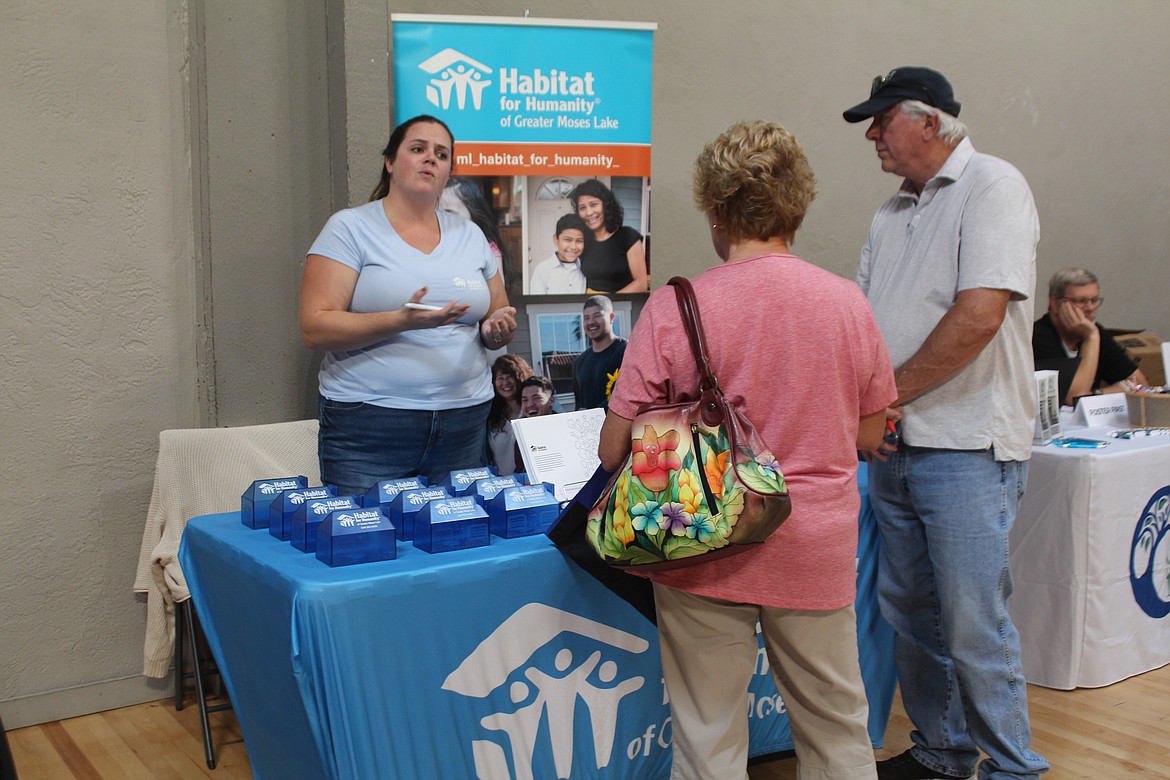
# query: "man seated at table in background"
[[1068, 339]]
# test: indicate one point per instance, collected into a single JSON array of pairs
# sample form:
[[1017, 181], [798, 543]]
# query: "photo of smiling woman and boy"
[[561, 235], [597, 228]]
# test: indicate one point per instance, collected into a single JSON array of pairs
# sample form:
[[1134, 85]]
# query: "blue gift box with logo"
[[461, 481], [304, 522], [523, 511], [257, 499], [446, 524], [486, 489], [385, 491], [405, 506], [362, 535], [280, 511]]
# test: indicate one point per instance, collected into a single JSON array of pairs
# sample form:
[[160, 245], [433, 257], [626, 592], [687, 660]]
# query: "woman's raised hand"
[[498, 327]]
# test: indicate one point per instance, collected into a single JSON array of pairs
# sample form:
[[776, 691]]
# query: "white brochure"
[[560, 448], [1047, 407]]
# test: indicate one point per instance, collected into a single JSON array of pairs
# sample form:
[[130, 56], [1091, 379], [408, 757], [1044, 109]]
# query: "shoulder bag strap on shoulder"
[[688, 307]]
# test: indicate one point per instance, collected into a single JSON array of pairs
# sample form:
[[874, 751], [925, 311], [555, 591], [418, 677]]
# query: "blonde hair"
[[754, 181]]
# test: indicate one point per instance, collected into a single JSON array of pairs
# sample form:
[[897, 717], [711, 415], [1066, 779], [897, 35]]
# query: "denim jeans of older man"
[[943, 584]]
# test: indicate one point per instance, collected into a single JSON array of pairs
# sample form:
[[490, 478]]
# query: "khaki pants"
[[709, 653]]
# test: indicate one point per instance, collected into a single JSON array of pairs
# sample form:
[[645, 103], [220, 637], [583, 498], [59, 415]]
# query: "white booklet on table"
[[560, 448]]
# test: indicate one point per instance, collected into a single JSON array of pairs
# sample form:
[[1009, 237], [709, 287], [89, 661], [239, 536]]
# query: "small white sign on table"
[[1096, 410]]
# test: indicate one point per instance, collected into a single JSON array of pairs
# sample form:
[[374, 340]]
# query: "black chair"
[[189, 638]]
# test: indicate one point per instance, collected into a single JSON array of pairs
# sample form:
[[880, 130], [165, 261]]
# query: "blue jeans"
[[360, 444], [943, 584]]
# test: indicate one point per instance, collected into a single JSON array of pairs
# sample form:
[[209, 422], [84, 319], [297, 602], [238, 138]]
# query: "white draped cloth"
[[1076, 550], [205, 471]]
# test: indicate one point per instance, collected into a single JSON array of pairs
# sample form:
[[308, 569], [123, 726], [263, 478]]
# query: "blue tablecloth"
[[504, 661]]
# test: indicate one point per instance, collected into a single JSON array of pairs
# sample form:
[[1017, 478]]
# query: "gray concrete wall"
[[96, 312], [269, 189], [166, 164]]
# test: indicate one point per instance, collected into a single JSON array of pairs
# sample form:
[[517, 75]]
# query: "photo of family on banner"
[[552, 121]]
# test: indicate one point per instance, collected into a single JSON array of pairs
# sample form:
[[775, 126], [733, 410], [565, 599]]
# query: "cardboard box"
[[1144, 347], [1148, 409]]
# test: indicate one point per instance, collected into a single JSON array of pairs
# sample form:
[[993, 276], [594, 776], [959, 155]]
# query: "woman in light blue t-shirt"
[[406, 300]]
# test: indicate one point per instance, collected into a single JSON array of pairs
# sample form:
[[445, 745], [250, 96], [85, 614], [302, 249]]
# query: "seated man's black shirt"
[[1113, 364]]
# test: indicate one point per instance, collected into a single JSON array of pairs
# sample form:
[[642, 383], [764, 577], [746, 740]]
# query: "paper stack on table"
[[560, 448]]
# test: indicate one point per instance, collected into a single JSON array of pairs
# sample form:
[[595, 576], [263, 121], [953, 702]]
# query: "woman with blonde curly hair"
[[801, 348]]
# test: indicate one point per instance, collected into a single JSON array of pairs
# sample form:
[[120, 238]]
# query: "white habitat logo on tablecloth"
[[1149, 556], [546, 694]]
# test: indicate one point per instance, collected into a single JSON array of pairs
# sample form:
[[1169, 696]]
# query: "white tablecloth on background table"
[[1076, 553]]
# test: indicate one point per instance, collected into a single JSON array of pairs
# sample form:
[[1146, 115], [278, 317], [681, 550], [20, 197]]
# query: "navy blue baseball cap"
[[906, 83]]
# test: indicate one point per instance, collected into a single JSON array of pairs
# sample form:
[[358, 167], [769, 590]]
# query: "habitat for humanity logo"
[[455, 74], [536, 694], [268, 488], [1149, 556]]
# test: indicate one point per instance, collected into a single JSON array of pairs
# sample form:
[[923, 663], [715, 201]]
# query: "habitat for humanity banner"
[[530, 96]]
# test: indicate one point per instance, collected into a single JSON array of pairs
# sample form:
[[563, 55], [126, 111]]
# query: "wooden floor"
[[146, 742], [1113, 733]]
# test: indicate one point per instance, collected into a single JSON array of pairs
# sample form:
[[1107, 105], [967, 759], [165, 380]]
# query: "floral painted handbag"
[[698, 484]]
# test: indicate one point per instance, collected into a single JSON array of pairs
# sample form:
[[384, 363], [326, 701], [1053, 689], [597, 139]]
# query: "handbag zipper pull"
[[699, 467]]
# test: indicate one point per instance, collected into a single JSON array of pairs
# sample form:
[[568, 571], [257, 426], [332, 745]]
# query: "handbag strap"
[[715, 408], [688, 308]]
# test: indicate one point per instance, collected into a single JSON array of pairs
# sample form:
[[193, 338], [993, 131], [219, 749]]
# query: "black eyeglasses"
[[879, 82], [1094, 302]]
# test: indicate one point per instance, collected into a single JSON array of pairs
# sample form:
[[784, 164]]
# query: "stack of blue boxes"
[[461, 512]]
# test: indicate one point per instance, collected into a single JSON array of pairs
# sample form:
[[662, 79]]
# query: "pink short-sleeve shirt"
[[800, 346]]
